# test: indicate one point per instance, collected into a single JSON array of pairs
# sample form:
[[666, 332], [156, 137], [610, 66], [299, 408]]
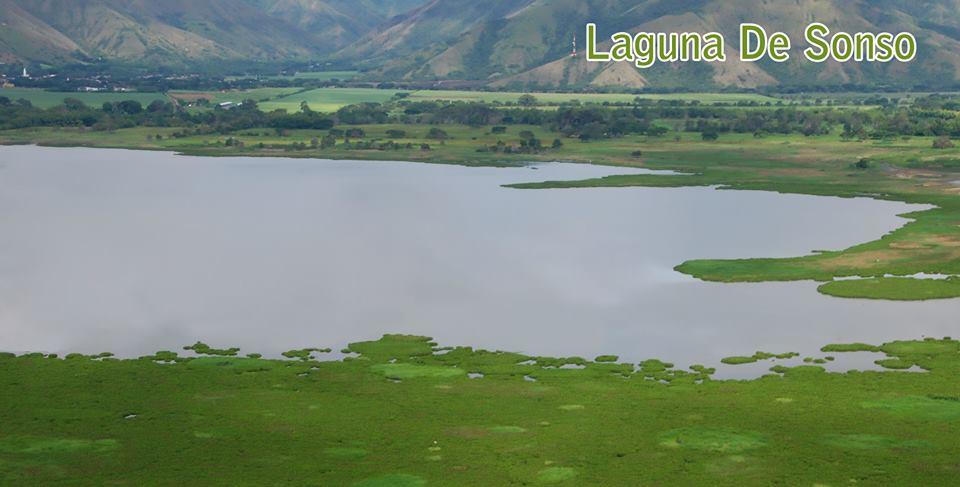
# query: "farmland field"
[[237, 96], [331, 99], [47, 99]]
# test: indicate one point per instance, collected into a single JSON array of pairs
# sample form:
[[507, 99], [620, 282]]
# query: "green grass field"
[[47, 99], [396, 414], [331, 99], [260, 95]]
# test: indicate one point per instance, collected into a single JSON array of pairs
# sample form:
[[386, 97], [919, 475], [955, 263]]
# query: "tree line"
[[934, 115]]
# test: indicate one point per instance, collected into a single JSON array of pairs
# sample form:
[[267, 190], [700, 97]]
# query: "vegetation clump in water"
[[758, 357], [201, 348]]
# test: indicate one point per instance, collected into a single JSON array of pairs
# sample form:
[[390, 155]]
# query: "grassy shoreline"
[[402, 411], [903, 170]]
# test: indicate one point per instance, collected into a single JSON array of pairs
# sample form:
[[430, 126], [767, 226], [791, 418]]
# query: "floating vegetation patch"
[[80, 356], [46, 446], [653, 366], [164, 356], [739, 360], [201, 348], [393, 480], [561, 362], [850, 347], [929, 407], [606, 358], [554, 475], [894, 288], [894, 363], [346, 452], [508, 429], [871, 442], [304, 353], [722, 440], [412, 371], [703, 370]]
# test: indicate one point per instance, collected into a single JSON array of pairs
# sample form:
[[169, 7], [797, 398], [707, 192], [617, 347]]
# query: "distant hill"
[[518, 43], [527, 42], [169, 31]]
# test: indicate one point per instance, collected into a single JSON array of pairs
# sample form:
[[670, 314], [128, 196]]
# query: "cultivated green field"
[[331, 99], [397, 414], [236, 96], [47, 99]]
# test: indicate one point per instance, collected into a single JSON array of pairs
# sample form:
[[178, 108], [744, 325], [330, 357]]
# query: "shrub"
[[943, 143], [437, 134]]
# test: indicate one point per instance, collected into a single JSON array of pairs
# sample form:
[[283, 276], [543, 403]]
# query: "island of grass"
[[396, 413]]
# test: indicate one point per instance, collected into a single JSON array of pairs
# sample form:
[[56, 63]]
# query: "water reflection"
[[133, 252]]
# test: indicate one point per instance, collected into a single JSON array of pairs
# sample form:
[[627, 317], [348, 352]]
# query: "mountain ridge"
[[521, 44]]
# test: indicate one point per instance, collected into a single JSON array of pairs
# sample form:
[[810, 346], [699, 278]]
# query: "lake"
[[133, 252]]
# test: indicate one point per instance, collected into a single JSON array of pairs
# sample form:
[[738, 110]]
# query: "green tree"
[[527, 100]]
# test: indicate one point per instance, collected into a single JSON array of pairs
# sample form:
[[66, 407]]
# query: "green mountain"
[[499, 42], [168, 31], [528, 42], [335, 23]]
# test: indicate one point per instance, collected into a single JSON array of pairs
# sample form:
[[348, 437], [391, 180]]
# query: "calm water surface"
[[134, 252]]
